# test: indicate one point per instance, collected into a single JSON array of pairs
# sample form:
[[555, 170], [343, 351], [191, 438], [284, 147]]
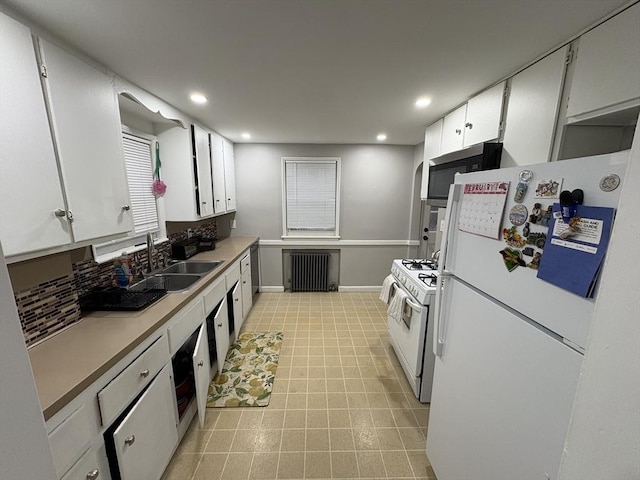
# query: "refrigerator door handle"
[[452, 204], [438, 327]]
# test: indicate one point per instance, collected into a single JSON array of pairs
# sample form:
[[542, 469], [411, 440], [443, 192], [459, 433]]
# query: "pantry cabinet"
[[186, 168], [607, 69], [85, 119], [222, 166], [532, 110], [475, 122]]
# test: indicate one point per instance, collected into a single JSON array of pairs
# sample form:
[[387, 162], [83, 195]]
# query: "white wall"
[[603, 441], [376, 205]]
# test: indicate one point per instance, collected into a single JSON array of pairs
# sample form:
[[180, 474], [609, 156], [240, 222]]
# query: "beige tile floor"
[[341, 406]]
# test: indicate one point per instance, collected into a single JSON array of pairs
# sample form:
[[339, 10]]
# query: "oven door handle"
[[415, 306]]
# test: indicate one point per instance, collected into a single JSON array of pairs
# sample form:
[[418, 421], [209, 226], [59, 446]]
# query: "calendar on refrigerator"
[[482, 208]]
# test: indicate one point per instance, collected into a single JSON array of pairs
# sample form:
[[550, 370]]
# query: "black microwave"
[[483, 156]]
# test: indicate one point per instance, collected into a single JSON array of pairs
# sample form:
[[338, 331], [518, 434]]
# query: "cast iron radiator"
[[310, 271]]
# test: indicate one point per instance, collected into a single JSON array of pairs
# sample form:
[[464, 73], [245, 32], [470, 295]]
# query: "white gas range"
[[411, 335]]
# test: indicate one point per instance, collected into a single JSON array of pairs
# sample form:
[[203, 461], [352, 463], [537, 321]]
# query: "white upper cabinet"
[[475, 122], [217, 166], [229, 175], [30, 190], [432, 143], [534, 101], [186, 168], [86, 123], [607, 70], [453, 130]]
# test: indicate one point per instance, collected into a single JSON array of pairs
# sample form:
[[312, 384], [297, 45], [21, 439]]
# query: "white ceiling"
[[315, 71]]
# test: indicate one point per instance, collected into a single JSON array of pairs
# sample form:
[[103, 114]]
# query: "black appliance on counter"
[[189, 247]]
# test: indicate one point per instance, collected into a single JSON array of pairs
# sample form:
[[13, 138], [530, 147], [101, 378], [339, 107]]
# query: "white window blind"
[[138, 161], [311, 192]]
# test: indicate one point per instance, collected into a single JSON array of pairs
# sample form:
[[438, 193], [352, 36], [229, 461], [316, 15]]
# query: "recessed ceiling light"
[[246, 135], [423, 102], [381, 137], [198, 98]]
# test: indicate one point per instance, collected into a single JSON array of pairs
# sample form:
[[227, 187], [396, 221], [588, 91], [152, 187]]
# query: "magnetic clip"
[[568, 203]]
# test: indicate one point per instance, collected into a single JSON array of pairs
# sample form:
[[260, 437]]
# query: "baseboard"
[[271, 289], [357, 288]]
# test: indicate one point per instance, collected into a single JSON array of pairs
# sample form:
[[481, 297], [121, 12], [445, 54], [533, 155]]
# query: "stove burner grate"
[[419, 264], [428, 278]]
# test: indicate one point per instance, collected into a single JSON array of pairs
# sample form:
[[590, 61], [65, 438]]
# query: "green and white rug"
[[247, 377]]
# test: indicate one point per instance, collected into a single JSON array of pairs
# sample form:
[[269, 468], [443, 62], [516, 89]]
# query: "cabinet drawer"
[[187, 321], [87, 468], [213, 295], [116, 395], [69, 438], [233, 275], [245, 263]]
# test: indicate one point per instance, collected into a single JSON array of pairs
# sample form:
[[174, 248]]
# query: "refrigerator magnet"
[[548, 188], [609, 183], [513, 238], [512, 258], [518, 215], [535, 261], [523, 185]]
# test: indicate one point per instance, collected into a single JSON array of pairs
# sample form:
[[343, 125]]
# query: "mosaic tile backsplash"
[[52, 306]]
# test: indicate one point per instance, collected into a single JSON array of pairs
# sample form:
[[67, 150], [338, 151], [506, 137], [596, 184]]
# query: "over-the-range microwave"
[[483, 156]]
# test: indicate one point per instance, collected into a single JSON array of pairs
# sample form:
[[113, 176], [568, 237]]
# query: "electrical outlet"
[[233, 223], [189, 232]]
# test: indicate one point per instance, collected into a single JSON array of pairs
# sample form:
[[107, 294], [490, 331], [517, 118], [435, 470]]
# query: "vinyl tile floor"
[[341, 406]]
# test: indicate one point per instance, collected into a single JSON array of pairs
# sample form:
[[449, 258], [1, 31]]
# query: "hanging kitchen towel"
[[396, 306], [385, 292]]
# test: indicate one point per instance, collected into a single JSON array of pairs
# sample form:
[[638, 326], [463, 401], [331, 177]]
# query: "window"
[[138, 161], [139, 158], [311, 197]]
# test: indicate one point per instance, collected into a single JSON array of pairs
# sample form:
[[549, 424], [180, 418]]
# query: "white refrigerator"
[[509, 346]]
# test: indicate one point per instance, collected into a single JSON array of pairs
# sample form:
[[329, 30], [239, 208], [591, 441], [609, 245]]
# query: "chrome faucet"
[[150, 250]]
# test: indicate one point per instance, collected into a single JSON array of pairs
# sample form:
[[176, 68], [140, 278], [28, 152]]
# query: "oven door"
[[408, 337]]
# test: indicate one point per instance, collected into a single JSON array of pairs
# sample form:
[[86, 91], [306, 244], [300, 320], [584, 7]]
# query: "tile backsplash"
[[52, 305]]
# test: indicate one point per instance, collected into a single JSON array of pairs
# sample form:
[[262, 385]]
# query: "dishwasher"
[[255, 270]]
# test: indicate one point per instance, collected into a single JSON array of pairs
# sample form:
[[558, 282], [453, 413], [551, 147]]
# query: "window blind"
[[138, 162], [311, 195]]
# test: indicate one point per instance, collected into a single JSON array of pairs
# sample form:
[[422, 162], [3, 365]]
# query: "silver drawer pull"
[[93, 474], [144, 373], [200, 363], [220, 325], [60, 213], [130, 440]]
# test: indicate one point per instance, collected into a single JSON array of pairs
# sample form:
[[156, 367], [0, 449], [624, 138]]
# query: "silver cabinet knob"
[[93, 474], [130, 440], [458, 131], [204, 203], [70, 215], [237, 299], [220, 325], [126, 208], [144, 373], [60, 213], [469, 125], [200, 363]]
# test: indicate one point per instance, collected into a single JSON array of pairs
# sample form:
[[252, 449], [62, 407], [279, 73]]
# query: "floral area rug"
[[247, 377]]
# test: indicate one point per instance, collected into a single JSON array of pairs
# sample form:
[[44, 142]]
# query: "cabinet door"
[[86, 124], [483, 116], [452, 130], [238, 313], [145, 439], [30, 188], [247, 300], [203, 168], [607, 70], [201, 369], [221, 320], [229, 175], [534, 99], [432, 142], [217, 164]]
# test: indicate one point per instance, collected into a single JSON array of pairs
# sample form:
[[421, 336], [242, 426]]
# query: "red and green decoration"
[[158, 186]]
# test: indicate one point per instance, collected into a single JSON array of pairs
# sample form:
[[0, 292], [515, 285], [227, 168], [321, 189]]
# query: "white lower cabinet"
[[201, 368], [146, 438], [221, 322], [245, 284], [238, 313], [91, 466]]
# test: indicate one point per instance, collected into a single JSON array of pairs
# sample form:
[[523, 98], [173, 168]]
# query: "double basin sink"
[[178, 277]]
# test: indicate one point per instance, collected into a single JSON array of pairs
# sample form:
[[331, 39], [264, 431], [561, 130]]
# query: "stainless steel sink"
[[192, 267], [171, 282]]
